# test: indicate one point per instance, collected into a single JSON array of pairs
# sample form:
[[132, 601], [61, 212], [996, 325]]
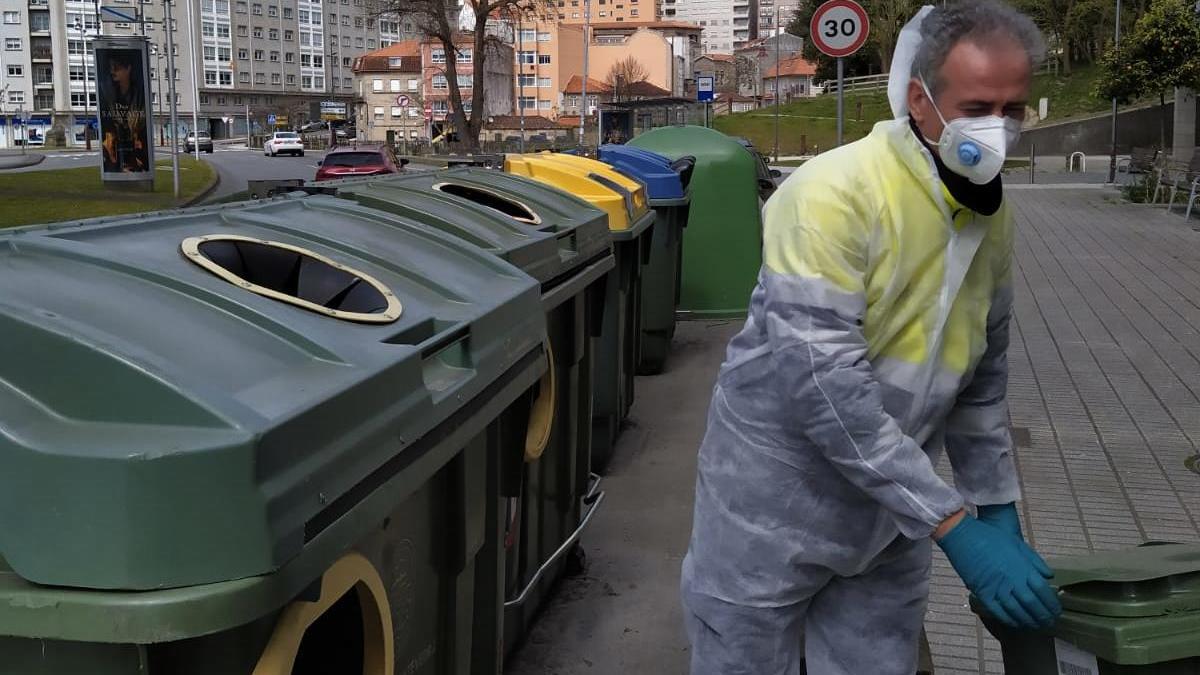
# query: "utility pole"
[[521, 80], [778, 35], [171, 87], [87, 101], [1112, 159], [195, 83], [162, 126], [583, 99], [247, 126]]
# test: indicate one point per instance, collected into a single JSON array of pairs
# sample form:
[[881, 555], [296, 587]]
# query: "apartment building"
[[497, 80], [727, 24], [384, 79], [547, 55], [607, 11], [768, 10], [280, 57], [667, 49]]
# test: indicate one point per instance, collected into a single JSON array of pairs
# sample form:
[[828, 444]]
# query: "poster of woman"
[[126, 146]]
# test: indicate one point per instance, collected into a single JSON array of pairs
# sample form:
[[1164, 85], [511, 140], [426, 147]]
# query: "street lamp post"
[[162, 126], [87, 102], [583, 104], [171, 87], [1112, 159], [195, 82]]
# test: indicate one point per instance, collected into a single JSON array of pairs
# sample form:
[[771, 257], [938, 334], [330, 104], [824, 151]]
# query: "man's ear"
[[918, 102]]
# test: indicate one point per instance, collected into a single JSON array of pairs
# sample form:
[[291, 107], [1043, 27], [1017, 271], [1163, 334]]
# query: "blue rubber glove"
[[1007, 576], [1002, 517]]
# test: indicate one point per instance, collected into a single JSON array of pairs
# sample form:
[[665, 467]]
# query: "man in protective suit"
[[875, 341]]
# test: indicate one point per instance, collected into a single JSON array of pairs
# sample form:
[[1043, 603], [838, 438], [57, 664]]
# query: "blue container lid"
[[655, 171]]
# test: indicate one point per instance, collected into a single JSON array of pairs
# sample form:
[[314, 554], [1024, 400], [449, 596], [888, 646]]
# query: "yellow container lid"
[[623, 199]]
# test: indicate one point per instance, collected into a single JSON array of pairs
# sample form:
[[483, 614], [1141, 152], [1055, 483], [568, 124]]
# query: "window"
[[397, 112], [243, 31], [14, 45], [395, 62], [203, 99], [16, 71], [527, 80], [220, 100], [413, 112], [208, 29], [439, 82], [528, 102], [240, 7], [287, 12], [316, 18], [223, 30], [257, 9], [526, 58], [603, 14], [319, 81], [12, 18], [574, 15], [307, 82], [345, 40], [303, 16], [395, 86], [318, 61], [273, 34], [16, 97], [77, 99], [358, 22], [345, 61], [358, 42], [275, 78], [378, 112], [377, 85], [370, 43], [260, 78], [210, 53], [530, 35], [306, 60], [465, 81], [274, 57], [634, 12], [441, 107], [244, 78], [210, 77], [74, 73], [272, 10], [413, 84], [348, 82], [289, 35], [544, 105], [464, 56], [543, 37], [543, 59], [39, 23], [289, 57], [345, 20], [544, 82], [258, 32], [259, 55], [435, 56], [305, 38], [291, 79], [243, 54]]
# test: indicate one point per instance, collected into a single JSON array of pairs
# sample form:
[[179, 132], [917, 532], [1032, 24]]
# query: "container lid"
[[168, 423], [544, 231], [621, 197], [662, 181], [1139, 582]]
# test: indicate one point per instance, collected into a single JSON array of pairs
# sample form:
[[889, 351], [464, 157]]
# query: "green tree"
[[1162, 53]]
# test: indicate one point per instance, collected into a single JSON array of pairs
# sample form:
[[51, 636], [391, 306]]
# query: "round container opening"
[[295, 276], [509, 207]]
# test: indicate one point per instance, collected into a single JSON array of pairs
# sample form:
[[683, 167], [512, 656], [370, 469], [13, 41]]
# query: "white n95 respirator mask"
[[975, 147]]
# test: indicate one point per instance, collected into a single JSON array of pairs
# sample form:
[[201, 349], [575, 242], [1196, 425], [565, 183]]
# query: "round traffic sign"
[[839, 27], [402, 101]]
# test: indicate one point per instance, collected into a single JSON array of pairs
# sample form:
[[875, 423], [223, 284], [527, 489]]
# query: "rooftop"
[[794, 67]]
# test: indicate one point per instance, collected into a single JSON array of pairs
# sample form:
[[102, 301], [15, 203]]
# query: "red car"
[[360, 160]]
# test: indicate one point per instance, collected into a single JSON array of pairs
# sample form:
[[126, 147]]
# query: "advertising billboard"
[[126, 132]]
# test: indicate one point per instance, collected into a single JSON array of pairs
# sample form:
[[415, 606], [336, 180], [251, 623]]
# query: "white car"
[[288, 142]]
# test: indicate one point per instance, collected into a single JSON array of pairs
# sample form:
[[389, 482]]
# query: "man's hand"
[[1007, 576], [948, 524]]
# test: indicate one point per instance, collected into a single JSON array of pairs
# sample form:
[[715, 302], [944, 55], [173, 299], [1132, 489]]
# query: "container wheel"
[[348, 629], [576, 562]]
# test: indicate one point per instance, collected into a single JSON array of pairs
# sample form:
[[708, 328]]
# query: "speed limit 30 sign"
[[839, 28]]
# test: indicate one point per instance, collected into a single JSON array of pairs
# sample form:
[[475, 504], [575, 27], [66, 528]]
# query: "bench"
[[1141, 160]]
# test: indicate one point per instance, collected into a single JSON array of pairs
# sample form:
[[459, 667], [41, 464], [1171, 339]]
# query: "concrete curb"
[[21, 161], [208, 189]]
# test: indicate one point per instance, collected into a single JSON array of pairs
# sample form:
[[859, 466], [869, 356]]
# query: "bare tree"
[[749, 79], [623, 75], [489, 29]]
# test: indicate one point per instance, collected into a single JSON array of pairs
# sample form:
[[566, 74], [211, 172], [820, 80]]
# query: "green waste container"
[[667, 188], [254, 438], [563, 242], [630, 223], [1124, 612], [724, 233]]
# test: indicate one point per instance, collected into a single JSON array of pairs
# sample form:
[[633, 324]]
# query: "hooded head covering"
[[907, 45]]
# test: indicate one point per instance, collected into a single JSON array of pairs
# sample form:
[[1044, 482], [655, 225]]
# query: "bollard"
[[1032, 162]]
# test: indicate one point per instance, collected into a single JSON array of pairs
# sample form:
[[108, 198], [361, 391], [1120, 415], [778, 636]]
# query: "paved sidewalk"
[[1105, 398]]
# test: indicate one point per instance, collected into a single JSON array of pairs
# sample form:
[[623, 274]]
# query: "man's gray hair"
[[978, 21]]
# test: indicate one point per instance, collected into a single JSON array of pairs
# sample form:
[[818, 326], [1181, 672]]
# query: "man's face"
[[120, 75], [978, 79]]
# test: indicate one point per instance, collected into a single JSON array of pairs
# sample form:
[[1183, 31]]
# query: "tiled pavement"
[[1105, 398]]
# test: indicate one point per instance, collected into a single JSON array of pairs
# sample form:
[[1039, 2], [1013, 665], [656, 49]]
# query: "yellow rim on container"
[[541, 415]]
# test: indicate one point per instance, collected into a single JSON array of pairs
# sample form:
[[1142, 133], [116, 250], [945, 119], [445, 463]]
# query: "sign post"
[[403, 102], [838, 29], [127, 139], [705, 84]]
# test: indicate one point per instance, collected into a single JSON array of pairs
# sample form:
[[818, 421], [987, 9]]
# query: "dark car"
[[311, 127], [205, 141], [360, 160], [764, 173]]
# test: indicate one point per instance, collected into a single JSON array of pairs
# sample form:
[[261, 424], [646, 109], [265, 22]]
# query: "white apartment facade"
[[727, 24]]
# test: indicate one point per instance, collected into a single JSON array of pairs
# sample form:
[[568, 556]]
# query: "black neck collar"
[[982, 199]]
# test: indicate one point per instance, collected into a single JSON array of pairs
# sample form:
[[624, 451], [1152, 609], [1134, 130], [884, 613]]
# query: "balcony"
[[39, 4], [41, 54]]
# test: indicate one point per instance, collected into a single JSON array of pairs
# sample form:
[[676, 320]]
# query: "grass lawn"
[[31, 197], [809, 125]]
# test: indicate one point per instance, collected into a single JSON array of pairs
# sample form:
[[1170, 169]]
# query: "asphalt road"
[[234, 163]]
